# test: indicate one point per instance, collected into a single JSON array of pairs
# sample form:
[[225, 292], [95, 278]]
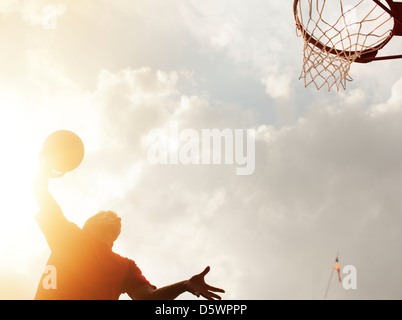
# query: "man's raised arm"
[[47, 204]]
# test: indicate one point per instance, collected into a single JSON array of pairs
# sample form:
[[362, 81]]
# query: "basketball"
[[62, 151]]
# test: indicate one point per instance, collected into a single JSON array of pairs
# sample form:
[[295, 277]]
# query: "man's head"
[[104, 226]]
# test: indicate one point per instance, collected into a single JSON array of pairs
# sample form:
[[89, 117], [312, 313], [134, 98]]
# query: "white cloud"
[[278, 85], [33, 12], [7, 6], [323, 184], [393, 104]]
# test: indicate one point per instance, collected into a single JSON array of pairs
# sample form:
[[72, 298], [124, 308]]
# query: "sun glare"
[[17, 169]]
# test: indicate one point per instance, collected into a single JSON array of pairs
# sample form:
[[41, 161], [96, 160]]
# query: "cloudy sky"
[[328, 165]]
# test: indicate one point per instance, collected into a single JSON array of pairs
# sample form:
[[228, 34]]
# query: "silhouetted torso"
[[85, 267]]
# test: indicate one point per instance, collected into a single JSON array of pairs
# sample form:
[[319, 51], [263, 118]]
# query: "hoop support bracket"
[[395, 12], [399, 56]]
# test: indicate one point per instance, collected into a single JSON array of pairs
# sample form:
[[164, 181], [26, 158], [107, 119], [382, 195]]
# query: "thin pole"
[[329, 281]]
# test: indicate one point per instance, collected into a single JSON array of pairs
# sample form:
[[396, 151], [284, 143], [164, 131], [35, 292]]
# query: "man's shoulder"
[[59, 231], [121, 258], [55, 222], [127, 263]]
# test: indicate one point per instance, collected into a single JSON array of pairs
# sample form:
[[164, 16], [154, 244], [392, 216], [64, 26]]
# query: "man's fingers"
[[205, 271], [214, 295], [208, 291], [210, 296], [211, 288]]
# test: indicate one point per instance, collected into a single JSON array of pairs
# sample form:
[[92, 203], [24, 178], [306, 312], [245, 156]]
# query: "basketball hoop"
[[337, 34]]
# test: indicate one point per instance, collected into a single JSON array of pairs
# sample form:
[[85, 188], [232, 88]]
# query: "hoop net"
[[336, 35]]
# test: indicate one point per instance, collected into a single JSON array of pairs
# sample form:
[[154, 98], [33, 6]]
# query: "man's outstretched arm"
[[195, 285]]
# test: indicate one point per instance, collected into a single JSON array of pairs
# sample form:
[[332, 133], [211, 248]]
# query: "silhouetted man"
[[83, 261]]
